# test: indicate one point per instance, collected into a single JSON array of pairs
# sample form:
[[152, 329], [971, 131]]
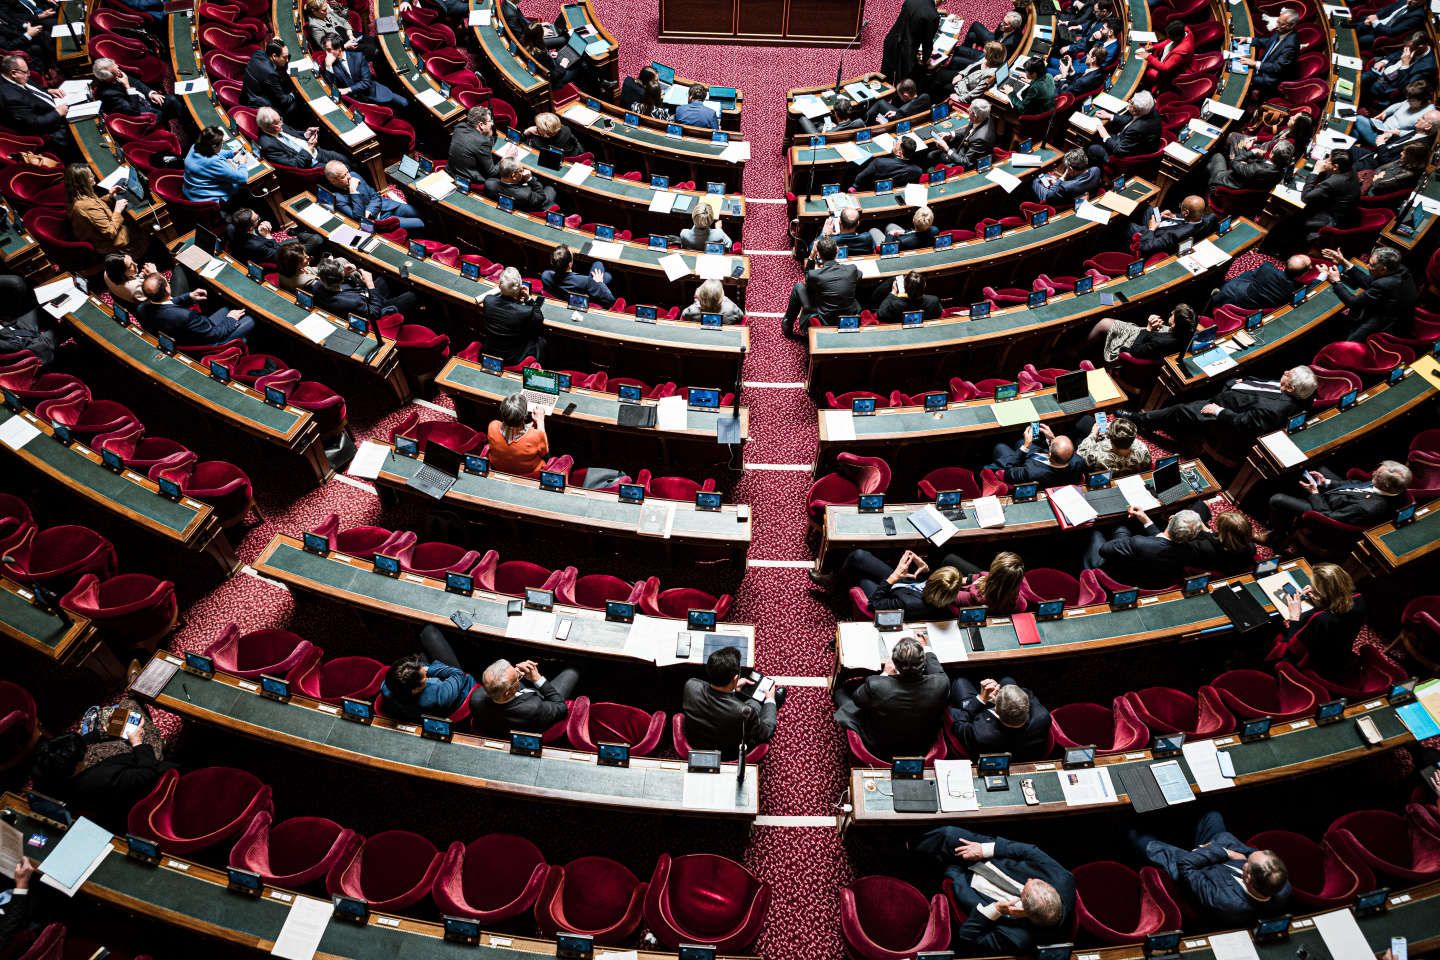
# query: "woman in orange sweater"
[[517, 438]]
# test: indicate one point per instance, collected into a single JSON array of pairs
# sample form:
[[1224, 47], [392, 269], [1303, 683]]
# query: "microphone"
[[840, 64], [747, 713]]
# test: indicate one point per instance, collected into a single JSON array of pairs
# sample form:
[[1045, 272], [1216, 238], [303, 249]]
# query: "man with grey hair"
[[1008, 34], [977, 139], [898, 711], [1360, 503], [283, 144], [1079, 178], [519, 697], [1384, 294], [1138, 133], [472, 146], [118, 92], [1243, 410], [514, 181], [999, 716], [1272, 59], [1233, 883], [1150, 559], [514, 320], [358, 200], [1015, 895]]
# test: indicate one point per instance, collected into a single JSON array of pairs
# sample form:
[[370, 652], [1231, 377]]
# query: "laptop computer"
[[1169, 485], [438, 472], [571, 53], [1072, 392], [540, 388], [666, 75]]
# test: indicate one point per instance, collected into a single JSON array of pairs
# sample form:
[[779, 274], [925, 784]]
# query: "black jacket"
[[1254, 412], [893, 308], [531, 195], [920, 103], [831, 290], [265, 86], [275, 150], [907, 595], [1045, 473], [1408, 20], [1248, 170], [1156, 344], [512, 327], [1328, 640], [714, 721], [980, 730], [1147, 560], [896, 717], [886, 166], [1379, 303], [25, 112], [107, 791], [1341, 503], [347, 300], [114, 98], [1206, 552], [250, 247], [1266, 287], [1332, 200], [1277, 60], [1167, 239], [565, 141], [534, 712], [978, 141], [471, 154], [1141, 135]]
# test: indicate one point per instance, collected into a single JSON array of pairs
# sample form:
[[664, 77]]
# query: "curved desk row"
[[424, 91], [62, 637], [147, 216], [703, 156], [480, 763], [1388, 549]]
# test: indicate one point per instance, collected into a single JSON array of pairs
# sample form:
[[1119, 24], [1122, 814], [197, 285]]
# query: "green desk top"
[[411, 77], [1379, 404], [12, 241], [1414, 539], [240, 406], [1276, 329], [581, 510], [185, 65], [309, 85], [610, 125], [634, 193], [502, 54], [127, 494], [69, 46], [22, 620], [953, 190], [1018, 320]]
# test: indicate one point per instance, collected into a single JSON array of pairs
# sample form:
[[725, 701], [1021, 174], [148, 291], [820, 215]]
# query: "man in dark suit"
[[562, 280], [519, 697], [175, 319], [1395, 20], [906, 52], [1265, 287], [104, 791], [283, 144], [1086, 78], [1151, 559], [1017, 897], [341, 289], [15, 903], [971, 48], [20, 327], [1048, 460], [1162, 231], [898, 711], [1389, 151], [1232, 882], [25, 27], [1078, 178], [906, 101], [472, 146], [1244, 409], [828, 290], [514, 321], [720, 714], [1251, 169], [1361, 503], [1386, 79], [845, 230], [118, 92], [1137, 135], [358, 200], [999, 716], [1276, 62], [976, 140], [28, 109], [514, 181], [347, 71], [265, 83], [909, 586], [1384, 297], [898, 166], [1331, 195]]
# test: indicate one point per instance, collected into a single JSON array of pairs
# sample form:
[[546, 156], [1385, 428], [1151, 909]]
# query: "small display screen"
[[460, 583], [701, 619], [619, 611]]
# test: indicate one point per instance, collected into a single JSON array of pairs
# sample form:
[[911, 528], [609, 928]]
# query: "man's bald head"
[[155, 287], [1297, 266], [1192, 208], [1428, 121], [1062, 448]]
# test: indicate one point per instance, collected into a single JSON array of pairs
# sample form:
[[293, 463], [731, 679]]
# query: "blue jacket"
[[1066, 191], [212, 178], [697, 115], [1265, 287], [353, 72], [176, 320], [1211, 878], [581, 283], [444, 690], [364, 203], [1277, 58]]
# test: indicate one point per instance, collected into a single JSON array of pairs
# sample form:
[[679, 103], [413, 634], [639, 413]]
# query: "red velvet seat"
[[1361, 234], [1118, 905], [333, 680], [447, 433], [294, 852], [51, 228], [362, 541], [224, 486], [949, 478], [1373, 675], [325, 405], [1331, 385], [390, 870], [589, 724], [854, 475], [1112, 729], [189, 812], [170, 187], [1368, 359], [59, 556], [592, 895], [137, 451], [678, 601], [275, 652], [1323, 538], [135, 608], [594, 590], [882, 918], [87, 418], [1319, 880], [513, 577], [32, 387], [1421, 622], [1251, 694], [707, 899], [492, 879], [1396, 849], [436, 558], [19, 726], [1166, 710], [1043, 583], [863, 757], [671, 488], [682, 746], [15, 521]]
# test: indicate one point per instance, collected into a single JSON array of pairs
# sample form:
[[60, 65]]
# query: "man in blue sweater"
[[431, 683]]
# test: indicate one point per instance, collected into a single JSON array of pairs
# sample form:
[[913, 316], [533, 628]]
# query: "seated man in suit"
[[897, 166], [175, 319], [118, 92], [1272, 59], [265, 83], [1390, 151], [1361, 503], [341, 288], [693, 111], [906, 101], [519, 697], [1151, 559], [1008, 33], [514, 321], [1039, 94], [104, 791], [1078, 178], [1395, 20], [250, 240], [15, 911], [472, 146], [976, 140], [25, 28], [516, 182], [561, 280], [1265, 287], [289, 147], [1386, 79], [909, 586], [1243, 410], [1080, 82], [898, 711], [347, 72], [1249, 169], [28, 109], [720, 715], [20, 327], [1048, 460], [1162, 231], [430, 683], [1138, 134], [1331, 195], [828, 291], [358, 200], [1233, 883], [1384, 298], [1017, 897], [845, 230], [999, 716], [844, 115], [903, 295]]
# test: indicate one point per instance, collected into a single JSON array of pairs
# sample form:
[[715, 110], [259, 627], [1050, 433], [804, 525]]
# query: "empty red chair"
[[51, 228], [1112, 729], [1116, 904], [356, 541], [707, 899], [275, 652], [492, 879], [1045, 584], [26, 187], [1324, 538], [593, 590], [436, 558], [853, 476], [882, 918], [672, 488], [15, 521], [135, 608], [293, 852], [447, 433], [325, 405], [594, 896], [864, 757], [19, 726], [682, 746], [87, 418], [224, 486], [1395, 848], [137, 451], [332, 680], [33, 388], [512, 577], [58, 557], [1368, 359], [1166, 710], [844, 401], [1319, 880], [186, 213], [949, 478], [590, 724], [677, 601], [1251, 694], [390, 871], [1331, 385], [1359, 235], [196, 810]]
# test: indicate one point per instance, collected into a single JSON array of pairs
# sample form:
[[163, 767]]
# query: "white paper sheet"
[[315, 328], [956, 780], [1093, 213], [1200, 128], [314, 216], [674, 266], [989, 512], [712, 266], [651, 638], [368, 460], [323, 106], [198, 85], [1203, 759], [430, 97], [947, 641], [114, 179], [868, 267], [576, 173], [716, 791], [437, 186], [479, 18], [213, 269], [1209, 254], [356, 134], [1283, 448], [304, 925], [662, 202], [947, 526], [1273, 586], [1136, 493], [605, 250], [1085, 122], [1221, 109], [1172, 783], [302, 65], [67, 304], [1021, 161], [75, 91], [581, 114], [1086, 787], [810, 106], [1140, 36], [851, 152], [1181, 154], [672, 413], [54, 289], [916, 194], [839, 425], [1073, 505], [12, 848], [1347, 63], [736, 151], [80, 111], [1004, 179], [532, 625], [1235, 945], [1342, 934], [860, 645], [76, 855]]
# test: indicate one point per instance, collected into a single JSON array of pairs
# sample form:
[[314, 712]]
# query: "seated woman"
[[1399, 174], [293, 266], [549, 133], [652, 103], [710, 298], [1323, 638], [998, 588], [909, 586], [518, 443], [1160, 337], [1229, 550], [124, 278], [344, 289], [97, 220], [1397, 119], [213, 174], [974, 80], [705, 228]]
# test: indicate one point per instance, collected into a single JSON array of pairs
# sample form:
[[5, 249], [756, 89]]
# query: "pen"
[[187, 692]]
